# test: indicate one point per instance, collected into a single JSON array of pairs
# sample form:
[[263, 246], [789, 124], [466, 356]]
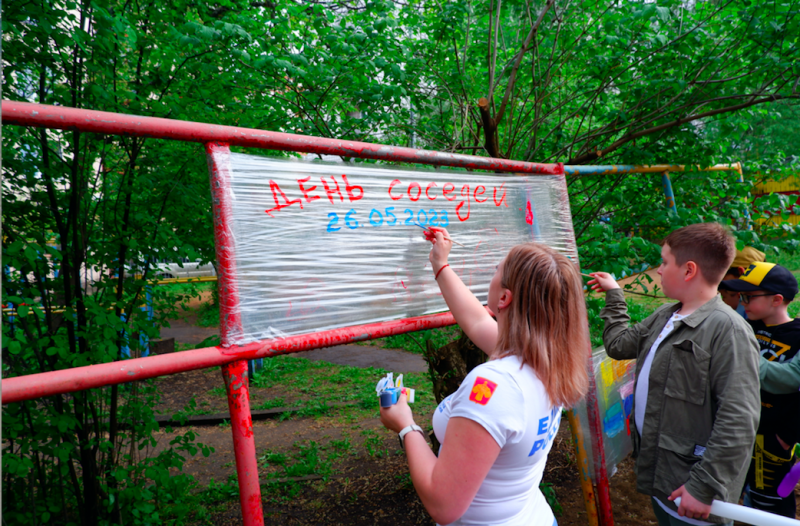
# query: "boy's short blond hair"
[[710, 245]]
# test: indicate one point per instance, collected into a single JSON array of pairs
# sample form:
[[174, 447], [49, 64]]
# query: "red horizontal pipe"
[[29, 387], [60, 117]]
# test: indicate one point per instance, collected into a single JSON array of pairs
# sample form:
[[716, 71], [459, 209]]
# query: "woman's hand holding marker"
[[441, 248], [430, 231], [602, 282], [398, 416]]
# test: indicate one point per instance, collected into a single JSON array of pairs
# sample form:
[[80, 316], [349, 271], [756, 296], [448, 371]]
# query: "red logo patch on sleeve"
[[482, 391]]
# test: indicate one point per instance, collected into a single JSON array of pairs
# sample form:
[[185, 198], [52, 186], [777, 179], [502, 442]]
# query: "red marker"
[[430, 234]]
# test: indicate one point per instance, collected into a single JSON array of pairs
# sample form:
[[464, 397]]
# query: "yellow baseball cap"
[[747, 256]]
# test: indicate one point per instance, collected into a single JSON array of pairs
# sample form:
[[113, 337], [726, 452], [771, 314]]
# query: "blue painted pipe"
[[667, 183]]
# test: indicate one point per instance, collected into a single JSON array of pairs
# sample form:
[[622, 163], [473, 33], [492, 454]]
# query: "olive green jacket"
[[780, 378], [703, 401]]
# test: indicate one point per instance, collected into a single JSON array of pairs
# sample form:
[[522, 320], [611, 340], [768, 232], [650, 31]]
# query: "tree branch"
[[591, 156]]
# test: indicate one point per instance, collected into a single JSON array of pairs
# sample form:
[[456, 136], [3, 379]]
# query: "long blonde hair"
[[547, 324]]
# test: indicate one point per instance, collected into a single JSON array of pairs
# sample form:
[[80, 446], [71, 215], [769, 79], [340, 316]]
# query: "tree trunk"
[[448, 366], [492, 144]]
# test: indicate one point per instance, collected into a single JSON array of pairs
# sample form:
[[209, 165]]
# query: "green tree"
[[580, 82], [82, 207]]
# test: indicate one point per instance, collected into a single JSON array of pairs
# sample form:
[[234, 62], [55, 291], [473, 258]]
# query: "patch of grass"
[[404, 481], [315, 386], [415, 341], [218, 391], [270, 404], [374, 444], [790, 261], [188, 410], [272, 458], [183, 292], [340, 448], [310, 408], [220, 492], [304, 461], [189, 288]]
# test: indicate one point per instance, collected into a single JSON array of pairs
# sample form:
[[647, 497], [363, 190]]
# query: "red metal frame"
[[60, 117], [230, 316], [237, 383], [233, 359], [32, 386]]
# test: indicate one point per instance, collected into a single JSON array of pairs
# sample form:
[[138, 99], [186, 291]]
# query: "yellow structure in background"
[[789, 186]]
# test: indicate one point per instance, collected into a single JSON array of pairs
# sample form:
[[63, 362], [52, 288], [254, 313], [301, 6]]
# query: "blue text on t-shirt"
[[553, 419]]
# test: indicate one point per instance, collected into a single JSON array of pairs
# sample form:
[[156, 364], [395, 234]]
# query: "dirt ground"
[[363, 489]]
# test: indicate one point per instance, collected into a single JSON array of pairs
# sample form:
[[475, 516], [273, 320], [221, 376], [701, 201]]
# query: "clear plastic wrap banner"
[[319, 246], [614, 380]]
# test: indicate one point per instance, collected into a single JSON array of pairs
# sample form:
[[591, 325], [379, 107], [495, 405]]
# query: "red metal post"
[[244, 445], [62, 118], [230, 325], [230, 317]]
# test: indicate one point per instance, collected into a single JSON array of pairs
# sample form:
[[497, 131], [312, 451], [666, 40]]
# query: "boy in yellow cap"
[[765, 290], [743, 259]]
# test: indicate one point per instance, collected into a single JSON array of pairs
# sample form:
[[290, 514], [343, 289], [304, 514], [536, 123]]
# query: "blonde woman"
[[497, 429]]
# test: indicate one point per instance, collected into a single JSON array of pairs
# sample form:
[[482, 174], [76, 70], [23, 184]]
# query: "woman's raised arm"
[[470, 315]]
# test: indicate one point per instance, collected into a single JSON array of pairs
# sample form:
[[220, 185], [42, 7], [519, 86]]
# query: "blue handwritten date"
[[376, 218]]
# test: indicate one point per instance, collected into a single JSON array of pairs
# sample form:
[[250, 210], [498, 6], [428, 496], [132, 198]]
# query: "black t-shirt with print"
[[780, 414]]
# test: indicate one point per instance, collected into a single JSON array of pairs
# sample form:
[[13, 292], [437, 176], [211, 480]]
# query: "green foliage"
[[415, 341], [85, 220], [315, 386], [87, 217], [221, 492], [318, 384], [638, 310], [208, 315], [190, 409], [550, 494], [788, 260]]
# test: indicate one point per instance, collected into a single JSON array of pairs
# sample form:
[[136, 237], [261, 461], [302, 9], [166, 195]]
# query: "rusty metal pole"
[[91, 121], [599, 496], [583, 468], [62, 381], [244, 445], [234, 373]]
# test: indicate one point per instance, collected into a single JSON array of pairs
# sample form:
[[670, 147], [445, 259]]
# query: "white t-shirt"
[[510, 402], [643, 382], [642, 386]]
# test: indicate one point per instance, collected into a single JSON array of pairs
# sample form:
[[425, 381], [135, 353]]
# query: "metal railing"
[[233, 358]]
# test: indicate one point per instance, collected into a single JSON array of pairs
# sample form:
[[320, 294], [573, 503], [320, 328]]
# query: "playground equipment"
[[232, 356], [789, 187]]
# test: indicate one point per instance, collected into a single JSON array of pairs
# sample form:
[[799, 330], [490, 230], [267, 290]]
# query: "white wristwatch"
[[406, 430]]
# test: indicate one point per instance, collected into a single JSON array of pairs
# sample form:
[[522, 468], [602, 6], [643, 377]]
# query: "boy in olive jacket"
[[696, 399]]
